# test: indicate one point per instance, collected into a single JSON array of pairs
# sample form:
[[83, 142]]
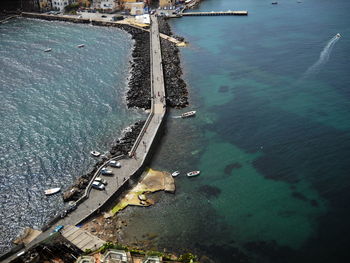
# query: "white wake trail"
[[324, 56]]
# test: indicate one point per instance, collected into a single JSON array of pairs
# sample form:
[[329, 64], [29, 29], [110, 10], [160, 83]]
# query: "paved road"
[[146, 139]]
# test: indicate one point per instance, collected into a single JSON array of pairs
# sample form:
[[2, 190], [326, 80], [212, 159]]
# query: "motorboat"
[[188, 114], [193, 173], [52, 191], [176, 173], [81, 45], [105, 171], [338, 35], [48, 50], [115, 164], [95, 153]]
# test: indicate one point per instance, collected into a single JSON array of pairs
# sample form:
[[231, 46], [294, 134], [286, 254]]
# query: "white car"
[[100, 180], [98, 185]]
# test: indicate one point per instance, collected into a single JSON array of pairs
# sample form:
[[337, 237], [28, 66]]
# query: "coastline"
[[135, 98]]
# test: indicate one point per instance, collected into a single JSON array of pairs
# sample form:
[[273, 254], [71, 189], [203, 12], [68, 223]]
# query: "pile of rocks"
[[139, 93], [177, 95], [122, 146]]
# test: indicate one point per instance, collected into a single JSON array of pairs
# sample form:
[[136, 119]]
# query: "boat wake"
[[324, 56], [176, 117]]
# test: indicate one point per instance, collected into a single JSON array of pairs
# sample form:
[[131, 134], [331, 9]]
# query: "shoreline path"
[[136, 160]]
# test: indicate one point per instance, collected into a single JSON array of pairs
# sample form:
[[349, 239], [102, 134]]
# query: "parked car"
[[100, 180], [104, 16], [98, 185]]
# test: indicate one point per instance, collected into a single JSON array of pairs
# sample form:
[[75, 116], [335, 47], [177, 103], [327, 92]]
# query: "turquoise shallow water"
[[55, 108], [271, 137]]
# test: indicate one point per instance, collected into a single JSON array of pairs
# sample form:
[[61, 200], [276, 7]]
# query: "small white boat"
[[176, 173], [105, 171], [193, 173], [81, 45], [188, 114], [115, 164], [52, 191], [95, 153], [48, 50], [338, 35]]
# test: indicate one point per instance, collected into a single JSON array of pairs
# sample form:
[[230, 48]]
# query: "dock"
[[214, 13]]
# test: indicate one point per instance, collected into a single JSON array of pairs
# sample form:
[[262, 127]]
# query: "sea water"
[[55, 108], [271, 137]]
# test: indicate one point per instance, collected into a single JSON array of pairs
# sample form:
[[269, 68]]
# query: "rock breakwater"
[[139, 93], [177, 94]]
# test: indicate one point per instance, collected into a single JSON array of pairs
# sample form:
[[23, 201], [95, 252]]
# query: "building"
[[59, 4], [166, 3], [106, 5], [85, 259], [45, 5], [116, 256], [135, 8]]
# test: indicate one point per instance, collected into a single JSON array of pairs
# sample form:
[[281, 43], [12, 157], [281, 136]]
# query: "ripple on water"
[[55, 108]]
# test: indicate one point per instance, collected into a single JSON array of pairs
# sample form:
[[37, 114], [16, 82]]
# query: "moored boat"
[[176, 173], [188, 114], [95, 153], [48, 50], [52, 191], [81, 45], [193, 173]]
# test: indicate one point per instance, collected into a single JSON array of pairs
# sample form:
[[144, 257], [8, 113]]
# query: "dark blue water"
[[55, 108], [271, 137]]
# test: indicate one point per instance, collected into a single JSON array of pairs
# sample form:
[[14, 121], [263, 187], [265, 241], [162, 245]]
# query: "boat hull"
[[188, 114], [52, 191], [194, 173]]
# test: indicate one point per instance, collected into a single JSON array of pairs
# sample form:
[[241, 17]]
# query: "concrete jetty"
[[213, 13], [133, 164]]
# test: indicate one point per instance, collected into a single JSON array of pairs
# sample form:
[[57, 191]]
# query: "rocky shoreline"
[[139, 93], [121, 147], [177, 94]]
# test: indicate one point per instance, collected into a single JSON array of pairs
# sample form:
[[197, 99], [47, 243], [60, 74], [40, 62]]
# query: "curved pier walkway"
[[135, 162]]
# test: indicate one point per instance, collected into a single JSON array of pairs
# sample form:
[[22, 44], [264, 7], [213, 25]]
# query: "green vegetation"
[[188, 258], [155, 253], [87, 251], [71, 8]]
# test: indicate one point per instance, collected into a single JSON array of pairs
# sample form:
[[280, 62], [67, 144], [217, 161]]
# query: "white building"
[[59, 4], [108, 4], [137, 8]]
